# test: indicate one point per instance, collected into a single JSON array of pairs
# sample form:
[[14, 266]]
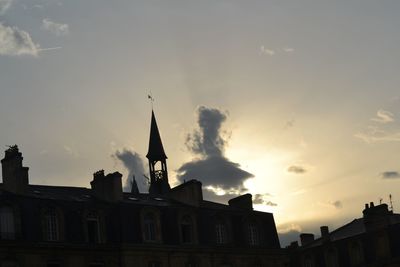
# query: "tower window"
[[51, 225], [187, 229], [7, 223]]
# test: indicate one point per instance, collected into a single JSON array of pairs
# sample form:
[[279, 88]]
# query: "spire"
[[157, 161], [156, 149]]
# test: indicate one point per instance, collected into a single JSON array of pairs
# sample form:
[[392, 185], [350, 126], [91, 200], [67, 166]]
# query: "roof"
[[156, 149], [353, 228], [83, 194]]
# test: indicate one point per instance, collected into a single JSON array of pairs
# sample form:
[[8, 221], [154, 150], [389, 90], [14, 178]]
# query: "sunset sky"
[[296, 102]]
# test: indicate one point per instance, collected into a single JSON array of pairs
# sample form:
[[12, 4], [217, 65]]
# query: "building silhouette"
[[62, 226], [373, 241]]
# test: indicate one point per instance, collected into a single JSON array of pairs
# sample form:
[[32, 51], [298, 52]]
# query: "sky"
[[296, 102]]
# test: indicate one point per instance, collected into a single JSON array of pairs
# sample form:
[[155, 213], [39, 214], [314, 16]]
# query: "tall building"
[[63, 226]]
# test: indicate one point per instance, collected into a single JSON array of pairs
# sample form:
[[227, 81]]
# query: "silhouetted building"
[[373, 241], [103, 226]]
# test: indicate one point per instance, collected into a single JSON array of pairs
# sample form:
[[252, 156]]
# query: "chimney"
[[376, 217], [306, 238], [15, 176], [189, 193], [107, 187], [324, 231], [242, 202]]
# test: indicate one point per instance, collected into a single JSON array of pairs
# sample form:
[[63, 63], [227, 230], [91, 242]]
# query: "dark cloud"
[[289, 237], [261, 199], [390, 175], [211, 167], [297, 169], [337, 204], [133, 162]]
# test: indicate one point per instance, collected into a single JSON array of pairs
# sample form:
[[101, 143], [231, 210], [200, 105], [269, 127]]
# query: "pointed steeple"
[[157, 161], [156, 149]]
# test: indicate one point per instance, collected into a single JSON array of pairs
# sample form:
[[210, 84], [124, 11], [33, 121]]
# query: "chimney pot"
[[324, 231], [306, 238], [371, 204], [366, 206]]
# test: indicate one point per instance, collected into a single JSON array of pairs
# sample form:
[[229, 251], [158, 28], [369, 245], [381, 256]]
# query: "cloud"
[[263, 200], [337, 204], [390, 175], [266, 51], [71, 151], [4, 6], [288, 49], [297, 169], [58, 29], [289, 124], [374, 136], [383, 116], [332, 204], [16, 42], [211, 167], [134, 163]]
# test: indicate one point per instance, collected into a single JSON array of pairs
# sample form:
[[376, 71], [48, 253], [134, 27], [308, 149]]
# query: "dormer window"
[[51, 225], [7, 223]]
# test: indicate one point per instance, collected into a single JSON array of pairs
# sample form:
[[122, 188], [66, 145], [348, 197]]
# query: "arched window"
[[51, 225], [149, 225], [7, 223], [93, 228], [253, 234], [356, 254], [186, 226], [221, 233]]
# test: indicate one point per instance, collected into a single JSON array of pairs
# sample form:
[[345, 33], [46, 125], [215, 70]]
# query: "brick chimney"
[[107, 187], [189, 193], [306, 238], [15, 176]]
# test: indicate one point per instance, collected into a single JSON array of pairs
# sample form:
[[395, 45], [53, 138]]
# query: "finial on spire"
[[151, 98]]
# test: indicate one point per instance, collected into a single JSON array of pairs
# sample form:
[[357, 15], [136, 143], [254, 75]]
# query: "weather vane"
[[150, 97]]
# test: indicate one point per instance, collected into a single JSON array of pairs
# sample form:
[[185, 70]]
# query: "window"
[[308, 261], [155, 264], [187, 229], [331, 258], [149, 224], [253, 234], [7, 223], [93, 231], [356, 254], [51, 225], [221, 233]]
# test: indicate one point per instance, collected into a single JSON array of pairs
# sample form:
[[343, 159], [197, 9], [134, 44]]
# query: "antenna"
[[380, 200], [391, 202]]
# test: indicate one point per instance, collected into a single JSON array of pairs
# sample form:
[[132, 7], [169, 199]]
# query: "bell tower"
[[157, 161]]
